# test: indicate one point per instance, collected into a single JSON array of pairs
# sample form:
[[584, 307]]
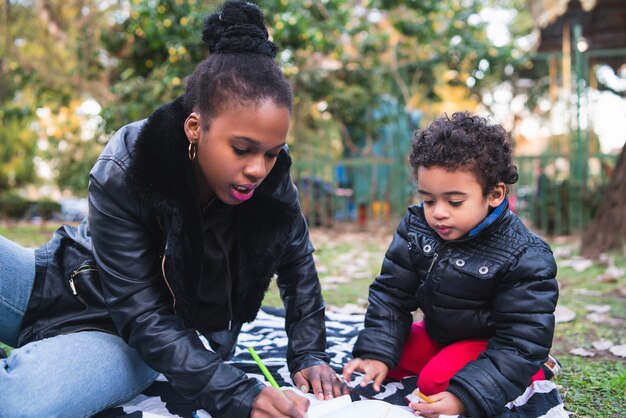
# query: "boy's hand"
[[374, 370], [325, 382], [271, 403], [445, 403]]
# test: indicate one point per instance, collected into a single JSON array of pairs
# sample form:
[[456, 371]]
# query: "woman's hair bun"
[[238, 27]]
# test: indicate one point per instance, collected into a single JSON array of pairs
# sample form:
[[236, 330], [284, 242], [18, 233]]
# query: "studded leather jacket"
[[133, 268]]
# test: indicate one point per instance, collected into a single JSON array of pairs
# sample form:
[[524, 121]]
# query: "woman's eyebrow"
[[247, 139], [254, 142]]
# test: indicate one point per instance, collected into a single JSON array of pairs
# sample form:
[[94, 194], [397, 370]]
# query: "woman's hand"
[[273, 403], [374, 370], [322, 378], [445, 403]]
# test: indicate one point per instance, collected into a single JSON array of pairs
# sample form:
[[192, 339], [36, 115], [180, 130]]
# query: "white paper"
[[343, 407]]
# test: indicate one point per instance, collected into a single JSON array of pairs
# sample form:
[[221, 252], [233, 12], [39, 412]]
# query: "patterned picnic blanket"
[[266, 334]]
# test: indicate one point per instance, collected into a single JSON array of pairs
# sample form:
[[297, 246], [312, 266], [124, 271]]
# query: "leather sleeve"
[[523, 314], [391, 301], [140, 303], [301, 294]]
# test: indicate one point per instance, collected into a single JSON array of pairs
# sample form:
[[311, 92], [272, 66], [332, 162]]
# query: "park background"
[[366, 73]]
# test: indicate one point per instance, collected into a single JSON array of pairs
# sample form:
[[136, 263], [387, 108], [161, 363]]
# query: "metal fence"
[[551, 199], [546, 196], [362, 190]]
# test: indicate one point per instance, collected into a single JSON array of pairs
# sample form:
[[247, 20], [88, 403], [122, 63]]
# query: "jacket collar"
[[161, 176], [492, 221], [489, 219], [161, 173]]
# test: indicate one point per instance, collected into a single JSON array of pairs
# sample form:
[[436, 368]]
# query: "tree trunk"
[[607, 229]]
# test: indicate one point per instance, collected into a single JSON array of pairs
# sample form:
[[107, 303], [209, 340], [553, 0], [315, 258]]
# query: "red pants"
[[435, 365]]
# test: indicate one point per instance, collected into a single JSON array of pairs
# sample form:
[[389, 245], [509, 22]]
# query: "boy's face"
[[453, 200]]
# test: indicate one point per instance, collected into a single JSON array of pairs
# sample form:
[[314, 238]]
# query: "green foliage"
[[49, 49], [15, 207], [12, 205], [45, 208], [340, 55], [48, 61], [17, 147], [153, 49]]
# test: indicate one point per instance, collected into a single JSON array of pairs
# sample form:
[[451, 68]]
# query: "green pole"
[[579, 165]]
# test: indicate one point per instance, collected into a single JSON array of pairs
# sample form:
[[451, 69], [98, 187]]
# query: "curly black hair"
[[467, 142], [241, 66]]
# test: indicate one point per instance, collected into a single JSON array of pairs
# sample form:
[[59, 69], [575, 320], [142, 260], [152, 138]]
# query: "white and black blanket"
[[266, 334]]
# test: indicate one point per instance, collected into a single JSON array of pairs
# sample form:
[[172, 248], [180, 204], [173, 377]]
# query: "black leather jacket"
[[134, 267], [498, 285]]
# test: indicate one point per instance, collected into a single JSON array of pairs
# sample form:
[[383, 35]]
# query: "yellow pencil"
[[424, 397]]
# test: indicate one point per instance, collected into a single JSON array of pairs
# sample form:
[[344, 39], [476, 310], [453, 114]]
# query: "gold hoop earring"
[[193, 150]]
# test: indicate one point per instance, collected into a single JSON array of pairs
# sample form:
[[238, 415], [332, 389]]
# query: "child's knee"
[[431, 380]]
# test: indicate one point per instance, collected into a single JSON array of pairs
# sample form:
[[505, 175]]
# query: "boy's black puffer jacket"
[[498, 285]]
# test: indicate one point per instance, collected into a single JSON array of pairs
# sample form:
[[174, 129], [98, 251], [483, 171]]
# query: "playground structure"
[[558, 189]]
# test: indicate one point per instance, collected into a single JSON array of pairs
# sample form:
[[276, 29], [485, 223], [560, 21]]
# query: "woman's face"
[[237, 149]]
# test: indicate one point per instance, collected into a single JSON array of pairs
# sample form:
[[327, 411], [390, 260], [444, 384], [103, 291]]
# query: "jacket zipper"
[[167, 282], [435, 256], [75, 273]]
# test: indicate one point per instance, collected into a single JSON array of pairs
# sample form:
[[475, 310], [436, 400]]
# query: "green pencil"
[[266, 372]]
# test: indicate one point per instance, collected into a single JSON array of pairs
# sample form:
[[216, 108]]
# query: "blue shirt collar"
[[489, 219]]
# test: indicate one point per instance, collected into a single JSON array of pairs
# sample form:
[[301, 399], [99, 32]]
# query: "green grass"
[[28, 235], [593, 388], [348, 261]]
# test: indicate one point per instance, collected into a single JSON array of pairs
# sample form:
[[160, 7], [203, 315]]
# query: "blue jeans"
[[72, 375]]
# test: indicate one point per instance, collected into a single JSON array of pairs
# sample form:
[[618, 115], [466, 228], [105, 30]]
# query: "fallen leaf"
[[564, 314], [582, 352], [618, 350], [600, 318], [612, 274], [602, 344], [335, 279], [587, 292], [597, 318], [562, 252], [578, 264], [598, 308]]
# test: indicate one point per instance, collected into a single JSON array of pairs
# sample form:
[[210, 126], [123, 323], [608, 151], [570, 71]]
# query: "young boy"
[[485, 284]]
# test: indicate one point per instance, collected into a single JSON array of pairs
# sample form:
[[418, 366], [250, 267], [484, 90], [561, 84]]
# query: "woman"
[[191, 213]]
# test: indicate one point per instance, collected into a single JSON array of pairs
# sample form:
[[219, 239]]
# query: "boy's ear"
[[497, 195]]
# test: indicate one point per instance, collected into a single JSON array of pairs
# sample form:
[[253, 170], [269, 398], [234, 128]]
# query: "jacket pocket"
[[475, 266], [84, 284]]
